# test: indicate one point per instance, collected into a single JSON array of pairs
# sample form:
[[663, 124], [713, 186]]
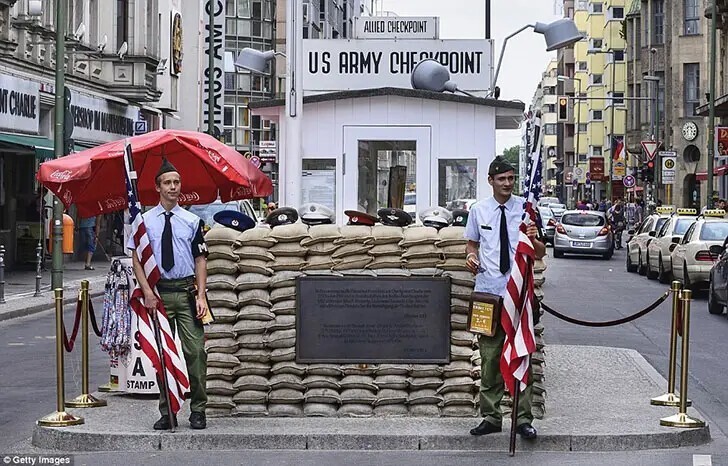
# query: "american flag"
[[178, 384], [618, 152], [518, 302]]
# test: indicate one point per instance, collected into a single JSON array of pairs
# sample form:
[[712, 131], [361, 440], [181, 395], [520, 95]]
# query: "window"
[[691, 80], [549, 129], [244, 8], [582, 158], [661, 97], [582, 66], [229, 81], [618, 55], [618, 98], [597, 8], [228, 116], [550, 108], [582, 127], [596, 151], [229, 7], [122, 18], [596, 79], [658, 17], [617, 12], [692, 18], [637, 109], [387, 175], [596, 115], [243, 117], [549, 90], [595, 44], [457, 183]]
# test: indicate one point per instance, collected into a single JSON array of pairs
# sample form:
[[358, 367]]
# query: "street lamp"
[[430, 75], [653, 114], [558, 34], [255, 61], [578, 114]]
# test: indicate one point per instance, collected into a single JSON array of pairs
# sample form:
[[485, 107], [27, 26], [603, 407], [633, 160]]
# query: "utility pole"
[[711, 106], [611, 130], [211, 69], [58, 146]]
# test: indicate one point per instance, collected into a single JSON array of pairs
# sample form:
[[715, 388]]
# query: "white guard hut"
[[370, 148]]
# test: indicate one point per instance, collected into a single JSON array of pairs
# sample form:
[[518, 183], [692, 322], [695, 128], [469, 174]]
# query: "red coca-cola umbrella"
[[93, 179]]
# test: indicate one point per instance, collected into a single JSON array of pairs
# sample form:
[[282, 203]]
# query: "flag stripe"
[[175, 374]]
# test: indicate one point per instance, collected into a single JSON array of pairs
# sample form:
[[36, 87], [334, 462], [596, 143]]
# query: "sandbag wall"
[[251, 346]]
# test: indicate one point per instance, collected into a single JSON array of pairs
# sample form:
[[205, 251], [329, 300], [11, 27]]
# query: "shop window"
[[387, 176], [457, 186], [318, 182]]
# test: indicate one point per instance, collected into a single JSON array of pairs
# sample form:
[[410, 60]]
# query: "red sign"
[[596, 168], [721, 141]]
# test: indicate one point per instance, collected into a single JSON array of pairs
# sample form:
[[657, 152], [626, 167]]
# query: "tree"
[[512, 154]]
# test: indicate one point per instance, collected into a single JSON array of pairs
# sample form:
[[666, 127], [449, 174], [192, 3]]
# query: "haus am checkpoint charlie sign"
[[338, 65]]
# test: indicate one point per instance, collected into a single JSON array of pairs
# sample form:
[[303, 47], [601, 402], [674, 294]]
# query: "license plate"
[[581, 244]]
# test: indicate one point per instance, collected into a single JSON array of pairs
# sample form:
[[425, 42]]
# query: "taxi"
[[691, 258], [642, 236], [659, 261]]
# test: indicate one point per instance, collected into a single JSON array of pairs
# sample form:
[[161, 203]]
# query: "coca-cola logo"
[[241, 192], [61, 175], [67, 198], [214, 156], [114, 203], [189, 197]]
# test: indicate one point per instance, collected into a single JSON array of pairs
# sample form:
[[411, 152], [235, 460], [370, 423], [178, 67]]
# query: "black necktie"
[[167, 250], [505, 255]]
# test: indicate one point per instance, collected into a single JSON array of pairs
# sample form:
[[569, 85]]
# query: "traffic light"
[[563, 108], [650, 171]]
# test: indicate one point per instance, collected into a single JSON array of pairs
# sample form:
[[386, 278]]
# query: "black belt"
[[177, 284]]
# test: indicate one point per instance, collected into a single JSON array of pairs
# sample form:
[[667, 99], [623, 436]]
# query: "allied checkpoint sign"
[[396, 27], [340, 65]]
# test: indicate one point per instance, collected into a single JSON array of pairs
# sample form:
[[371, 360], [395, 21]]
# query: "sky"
[[525, 57]]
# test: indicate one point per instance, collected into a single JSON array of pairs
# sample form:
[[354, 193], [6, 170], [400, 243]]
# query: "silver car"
[[558, 210], [549, 223], [583, 232]]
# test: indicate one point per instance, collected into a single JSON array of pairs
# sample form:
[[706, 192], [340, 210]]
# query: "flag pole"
[[514, 418], [162, 373]]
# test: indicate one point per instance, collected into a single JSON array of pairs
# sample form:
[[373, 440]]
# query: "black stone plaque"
[[373, 320]]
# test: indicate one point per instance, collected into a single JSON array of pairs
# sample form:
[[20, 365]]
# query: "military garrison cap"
[[394, 217], [499, 165], [234, 219], [282, 216], [459, 218], [165, 168], [360, 218], [437, 217], [316, 214]]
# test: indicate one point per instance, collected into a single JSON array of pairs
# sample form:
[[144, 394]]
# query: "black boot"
[[163, 423]]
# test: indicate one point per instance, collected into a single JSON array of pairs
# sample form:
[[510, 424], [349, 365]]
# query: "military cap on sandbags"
[[360, 218], [234, 219], [166, 167], [316, 214], [499, 165], [394, 217], [437, 217], [459, 218], [282, 216]]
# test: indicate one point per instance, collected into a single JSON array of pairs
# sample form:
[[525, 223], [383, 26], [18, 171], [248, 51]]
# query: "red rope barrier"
[[68, 343]]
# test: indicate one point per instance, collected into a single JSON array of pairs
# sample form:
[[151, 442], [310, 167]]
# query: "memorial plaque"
[[372, 320]]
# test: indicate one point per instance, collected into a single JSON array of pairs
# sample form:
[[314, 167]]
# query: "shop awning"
[[43, 147], [721, 107], [717, 171]]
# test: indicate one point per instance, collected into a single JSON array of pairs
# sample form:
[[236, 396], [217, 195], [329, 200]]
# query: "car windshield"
[[207, 211], [714, 231], [682, 225], [583, 220], [558, 206]]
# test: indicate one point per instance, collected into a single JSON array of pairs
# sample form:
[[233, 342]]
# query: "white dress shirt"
[[484, 227]]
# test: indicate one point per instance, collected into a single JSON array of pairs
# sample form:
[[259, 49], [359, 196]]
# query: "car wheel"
[[651, 274], [662, 275], [714, 307], [608, 255], [630, 266], [557, 253], [641, 269]]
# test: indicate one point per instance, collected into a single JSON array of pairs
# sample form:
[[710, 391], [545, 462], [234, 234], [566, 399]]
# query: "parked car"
[[659, 260], [549, 223], [641, 237], [583, 232], [718, 288], [692, 259], [410, 204], [557, 209], [545, 201]]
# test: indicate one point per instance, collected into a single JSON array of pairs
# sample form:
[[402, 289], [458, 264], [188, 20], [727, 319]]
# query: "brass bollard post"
[[85, 399], [681, 419], [2, 274], [60, 418], [670, 398], [38, 266]]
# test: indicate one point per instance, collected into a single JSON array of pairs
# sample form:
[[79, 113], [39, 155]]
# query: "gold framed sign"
[[484, 313]]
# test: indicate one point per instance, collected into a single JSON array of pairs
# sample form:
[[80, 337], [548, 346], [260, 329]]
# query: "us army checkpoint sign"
[[340, 65]]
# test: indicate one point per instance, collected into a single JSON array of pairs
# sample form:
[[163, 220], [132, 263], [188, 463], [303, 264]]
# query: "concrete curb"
[[184, 439], [45, 301]]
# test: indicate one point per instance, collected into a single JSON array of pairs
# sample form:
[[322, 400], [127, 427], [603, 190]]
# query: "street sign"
[[669, 161], [579, 174], [268, 151], [619, 169], [588, 178], [650, 148], [628, 181], [575, 183], [141, 127], [255, 160]]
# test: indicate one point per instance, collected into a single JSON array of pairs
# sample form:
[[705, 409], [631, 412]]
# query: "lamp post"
[[653, 117], [256, 61], [576, 124]]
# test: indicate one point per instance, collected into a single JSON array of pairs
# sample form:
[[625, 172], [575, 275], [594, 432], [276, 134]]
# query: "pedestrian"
[[492, 232], [271, 207], [175, 235], [87, 230]]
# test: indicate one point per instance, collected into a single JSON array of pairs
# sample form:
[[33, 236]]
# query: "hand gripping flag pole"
[[166, 356], [518, 302]]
